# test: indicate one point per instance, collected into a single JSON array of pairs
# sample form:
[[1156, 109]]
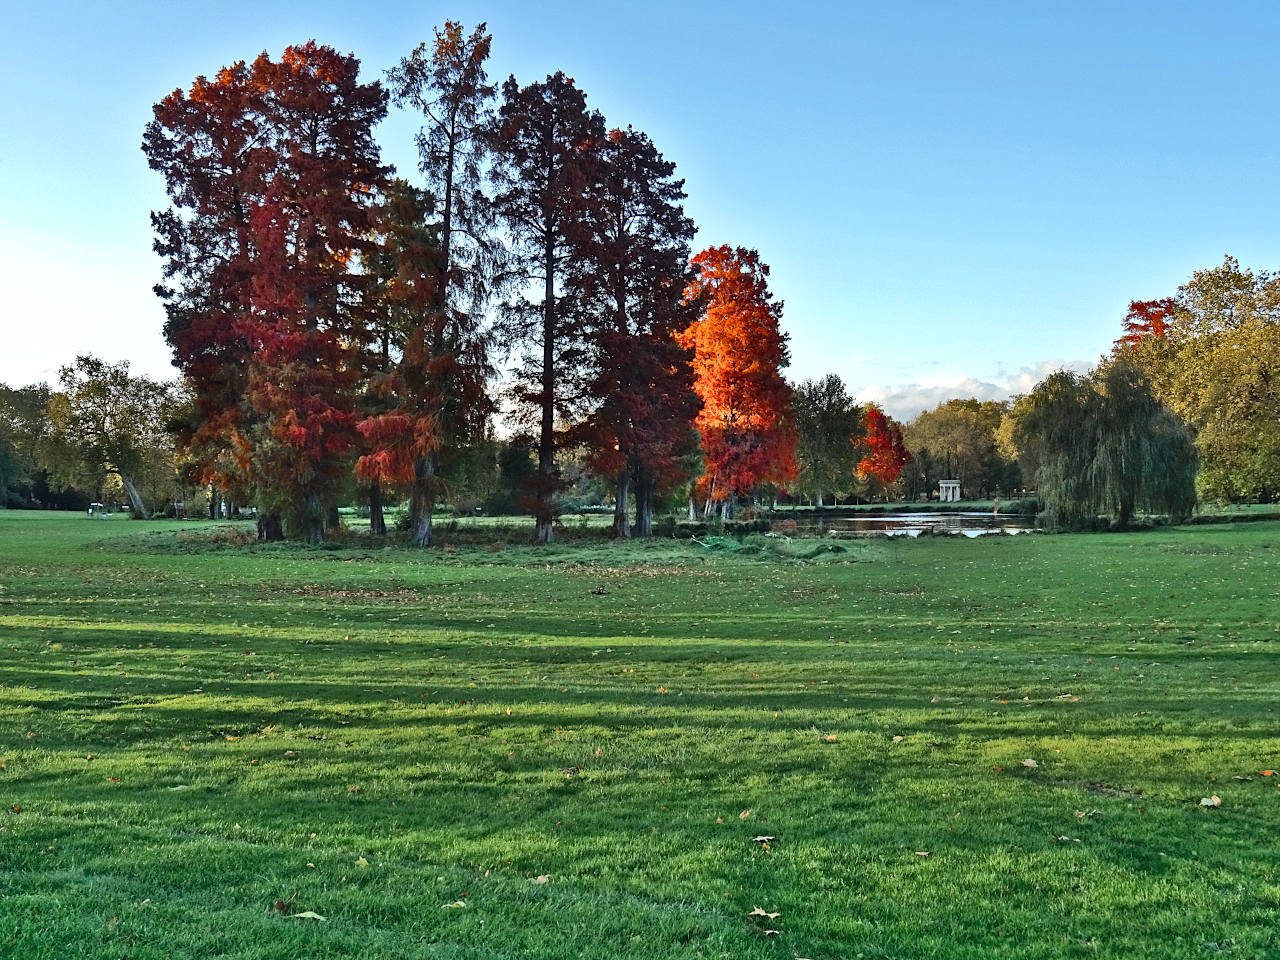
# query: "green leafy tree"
[[1106, 447], [957, 441], [1026, 456], [828, 425], [22, 426], [105, 422], [1215, 364]]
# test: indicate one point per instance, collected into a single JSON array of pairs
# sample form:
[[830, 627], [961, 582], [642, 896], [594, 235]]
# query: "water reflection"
[[953, 523]]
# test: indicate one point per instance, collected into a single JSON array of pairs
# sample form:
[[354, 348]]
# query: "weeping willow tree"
[[1106, 448]]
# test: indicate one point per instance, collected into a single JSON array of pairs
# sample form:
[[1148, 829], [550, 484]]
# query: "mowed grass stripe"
[[214, 706]]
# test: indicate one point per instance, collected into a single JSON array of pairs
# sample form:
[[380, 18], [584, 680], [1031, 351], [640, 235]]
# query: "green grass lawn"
[[201, 741]]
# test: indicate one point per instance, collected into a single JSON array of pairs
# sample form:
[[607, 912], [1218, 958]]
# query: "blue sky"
[[953, 197]]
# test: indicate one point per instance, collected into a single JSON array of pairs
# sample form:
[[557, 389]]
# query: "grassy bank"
[[201, 742]]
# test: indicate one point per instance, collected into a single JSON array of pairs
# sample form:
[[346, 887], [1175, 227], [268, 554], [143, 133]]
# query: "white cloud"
[[906, 401]]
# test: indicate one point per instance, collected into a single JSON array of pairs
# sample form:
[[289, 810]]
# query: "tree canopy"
[[1213, 360], [746, 423], [1106, 448], [829, 428]]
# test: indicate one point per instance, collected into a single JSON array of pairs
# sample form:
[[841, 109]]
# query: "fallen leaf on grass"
[[924, 853], [1029, 763], [772, 933], [306, 915], [762, 839], [1267, 773], [898, 739], [456, 905], [744, 814], [1214, 801], [1065, 839], [362, 862], [757, 912], [541, 878], [829, 738]]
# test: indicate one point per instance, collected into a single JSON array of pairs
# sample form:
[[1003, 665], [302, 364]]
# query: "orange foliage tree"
[[746, 424], [431, 366], [884, 453], [1147, 318]]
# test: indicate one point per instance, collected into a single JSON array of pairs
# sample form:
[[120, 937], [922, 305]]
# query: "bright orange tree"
[[746, 424], [884, 452], [1147, 318]]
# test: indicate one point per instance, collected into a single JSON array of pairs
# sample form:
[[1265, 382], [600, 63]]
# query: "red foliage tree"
[[746, 423], [439, 279], [1147, 318], [884, 453], [272, 170], [206, 145], [627, 286], [545, 144], [433, 392]]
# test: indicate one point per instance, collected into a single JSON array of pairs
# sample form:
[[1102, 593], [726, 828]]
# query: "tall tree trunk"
[[333, 521], [644, 504], [270, 528], [621, 528], [545, 512], [377, 522], [693, 505], [422, 501], [313, 519], [213, 502], [139, 508]]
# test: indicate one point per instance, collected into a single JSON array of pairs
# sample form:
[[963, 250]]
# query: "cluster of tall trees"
[[1186, 405], [101, 431], [845, 448], [338, 328], [1104, 446], [959, 440], [330, 318], [1211, 353]]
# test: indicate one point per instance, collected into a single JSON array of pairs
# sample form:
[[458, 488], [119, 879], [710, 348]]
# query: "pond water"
[[907, 524]]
